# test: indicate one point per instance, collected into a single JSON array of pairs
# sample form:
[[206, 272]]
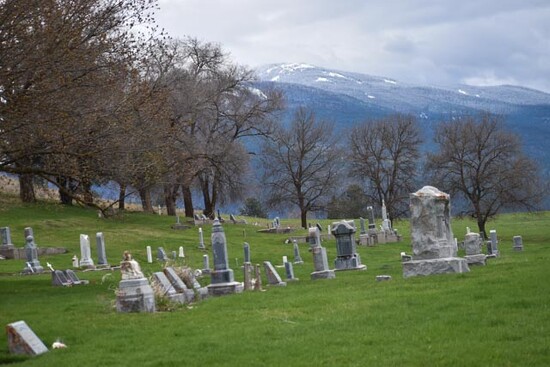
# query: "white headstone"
[[149, 255], [85, 252]]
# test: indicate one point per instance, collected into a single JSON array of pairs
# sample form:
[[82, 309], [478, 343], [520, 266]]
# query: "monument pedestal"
[[478, 259], [435, 266], [350, 263], [135, 295], [323, 274], [221, 289]]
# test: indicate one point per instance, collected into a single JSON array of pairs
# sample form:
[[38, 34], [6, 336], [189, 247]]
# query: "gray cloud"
[[428, 41]]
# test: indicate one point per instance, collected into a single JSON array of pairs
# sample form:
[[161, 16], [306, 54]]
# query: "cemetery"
[[222, 293]]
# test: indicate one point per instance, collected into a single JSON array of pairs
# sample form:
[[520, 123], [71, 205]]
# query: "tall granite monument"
[[222, 280], [433, 245]]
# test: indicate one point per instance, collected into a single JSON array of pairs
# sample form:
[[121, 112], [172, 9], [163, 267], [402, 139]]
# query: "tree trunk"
[[64, 191], [208, 207], [187, 201], [87, 192], [303, 217], [145, 196], [481, 227], [26, 188], [170, 194], [122, 197]]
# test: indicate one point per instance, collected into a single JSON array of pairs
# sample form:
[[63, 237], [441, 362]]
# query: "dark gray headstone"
[[518, 243], [346, 256], [101, 255], [161, 255], [23, 341], [71, 275], [59, 279], [297, 257], [32, 265], [5, 235], [372, 223], [246, 249]]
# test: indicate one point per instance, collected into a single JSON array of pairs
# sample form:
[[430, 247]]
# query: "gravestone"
[[434, 249], [257, 278], [362, 225], [493, 242], [85, 253], [23, 341], [232, 218], [149, 254], [7, 248], [28, 232], [297, 257], [5, 235], [247, 269], [273, 278], [382, 278], [201, 240], [222, 280], [174, 255], [165, 287], [320, 264], [101, 255], [289, 270], [73, 278], [32, 266], [134, 294], [472, 248], [370, 214], [386, 224], [518, 243], [205, 264], [314, 237], [181, 254], [347, 257], [246, 249], [161, 255], [59, 279], [178, 284]]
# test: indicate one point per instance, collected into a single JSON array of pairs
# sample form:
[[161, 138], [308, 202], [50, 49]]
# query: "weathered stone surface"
[[85, 252], [273, 277], [381, 278], [479, 259], [32, 265], [431, 232], [435, 266], [23, 341], [178, 284], [59, 279], [320, 264], [518, 243], [135, 295], [101, 254], [472, 243]]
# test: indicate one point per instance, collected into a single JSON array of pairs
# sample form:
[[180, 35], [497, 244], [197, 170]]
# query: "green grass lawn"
[[497, 315]]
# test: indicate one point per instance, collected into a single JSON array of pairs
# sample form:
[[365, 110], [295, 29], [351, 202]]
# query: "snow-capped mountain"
[[348, 98]]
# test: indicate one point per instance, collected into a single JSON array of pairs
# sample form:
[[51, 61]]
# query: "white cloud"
[[428, 41]]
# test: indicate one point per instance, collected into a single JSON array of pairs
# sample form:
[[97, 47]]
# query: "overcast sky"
[[479, 42]]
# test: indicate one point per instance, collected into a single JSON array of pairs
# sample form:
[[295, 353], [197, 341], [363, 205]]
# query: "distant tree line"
[[91, 91]]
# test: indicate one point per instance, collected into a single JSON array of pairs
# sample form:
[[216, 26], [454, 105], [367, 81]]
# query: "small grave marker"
[[22, 340]]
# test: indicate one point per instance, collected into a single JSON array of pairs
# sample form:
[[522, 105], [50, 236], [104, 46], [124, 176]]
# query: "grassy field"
[[497, 315]]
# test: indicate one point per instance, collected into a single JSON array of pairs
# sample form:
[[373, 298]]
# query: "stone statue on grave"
[[130, 268]]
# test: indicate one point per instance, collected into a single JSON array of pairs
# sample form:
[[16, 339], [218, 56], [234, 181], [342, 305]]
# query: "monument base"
[[351, 263], [435, 266], [478, 259], [135, 295], [323, 274], [221, 289]]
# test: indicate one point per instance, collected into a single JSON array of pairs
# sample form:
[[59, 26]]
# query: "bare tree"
[[213, 109], [301, 163], [484, 163], [61, 63], [384, 155]]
